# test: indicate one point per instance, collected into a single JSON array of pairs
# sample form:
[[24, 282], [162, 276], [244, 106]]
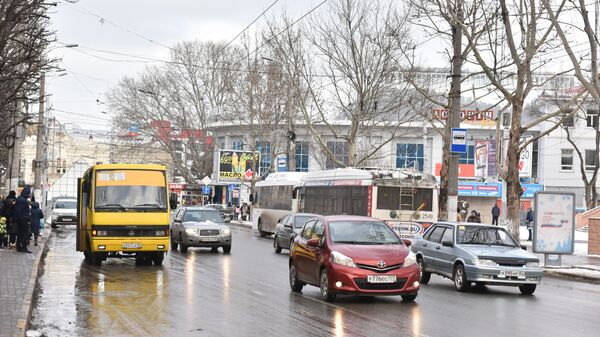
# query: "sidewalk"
[[577, 265], [18, 275]]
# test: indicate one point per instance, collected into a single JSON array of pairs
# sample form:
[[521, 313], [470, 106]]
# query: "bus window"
[[388, 197], [423, 199]]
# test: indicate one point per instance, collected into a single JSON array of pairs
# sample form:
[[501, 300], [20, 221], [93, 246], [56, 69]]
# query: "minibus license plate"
[[381, 278], [131, 245]]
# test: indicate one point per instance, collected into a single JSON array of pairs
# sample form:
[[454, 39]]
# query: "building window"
[[469, 156], [410, 155], [264, 148], [570, 120], [238, 144], [301, 157], [592, 118], [340, 152], [566, 160], [221, 141], [591, 160]]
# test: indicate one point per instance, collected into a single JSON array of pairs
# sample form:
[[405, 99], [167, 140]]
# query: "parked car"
[[484, 254], [226, 212], [61, 211], [199, 227], [352, 255], [286, 228]]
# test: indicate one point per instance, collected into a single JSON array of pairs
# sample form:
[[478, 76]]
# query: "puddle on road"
[[117, 299]]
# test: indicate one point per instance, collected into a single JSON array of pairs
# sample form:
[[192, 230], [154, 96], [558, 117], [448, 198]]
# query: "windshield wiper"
[[154, 206], [108, 206], [350, 242]]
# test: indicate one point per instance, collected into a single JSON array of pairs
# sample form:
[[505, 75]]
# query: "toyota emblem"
[[381, 264]]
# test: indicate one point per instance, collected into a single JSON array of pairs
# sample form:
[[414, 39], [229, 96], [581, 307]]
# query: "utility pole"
[[39, 149], [454, 116], [14, 155]]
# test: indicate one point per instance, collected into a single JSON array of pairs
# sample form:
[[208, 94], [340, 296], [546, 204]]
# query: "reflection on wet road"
[[246, 293]]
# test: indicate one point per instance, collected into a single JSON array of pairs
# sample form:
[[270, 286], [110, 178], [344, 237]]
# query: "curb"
[[564, 275], [27, 308]]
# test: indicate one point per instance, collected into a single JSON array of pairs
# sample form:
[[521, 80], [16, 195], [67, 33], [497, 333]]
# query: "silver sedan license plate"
[[131, 245], [209, 239], [512, 273], [381, 278]]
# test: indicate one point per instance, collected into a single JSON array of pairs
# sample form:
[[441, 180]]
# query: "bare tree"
[[343, 69], [24, 36], [172, 104], [577, 33], [518, 44], [438, 21], [582, 111]]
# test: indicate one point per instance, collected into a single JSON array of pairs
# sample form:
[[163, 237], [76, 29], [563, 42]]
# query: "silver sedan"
[[467, 252]]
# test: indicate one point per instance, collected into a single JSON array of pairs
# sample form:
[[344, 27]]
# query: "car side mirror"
[[288, 225], [447, 244], [313, 242], [523, 247], [407, 242], [227, 220]]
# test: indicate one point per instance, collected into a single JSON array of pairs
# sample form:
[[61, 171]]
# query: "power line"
[[80, 114], [284, 30], [103, 20]]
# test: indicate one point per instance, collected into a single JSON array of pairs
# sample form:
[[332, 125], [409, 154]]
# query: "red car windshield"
[[362, 233]]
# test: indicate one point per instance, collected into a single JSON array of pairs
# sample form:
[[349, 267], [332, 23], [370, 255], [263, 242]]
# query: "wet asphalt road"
[[246, 293]]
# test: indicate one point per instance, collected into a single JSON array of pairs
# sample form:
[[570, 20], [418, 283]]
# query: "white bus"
[[275, 197], [407, 200]]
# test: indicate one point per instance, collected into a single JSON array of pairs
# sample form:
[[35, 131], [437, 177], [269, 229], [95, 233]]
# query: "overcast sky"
[[126, 27]]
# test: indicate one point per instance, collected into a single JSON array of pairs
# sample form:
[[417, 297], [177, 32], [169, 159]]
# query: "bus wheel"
[[260, 231], [158, 258], [95, 259]]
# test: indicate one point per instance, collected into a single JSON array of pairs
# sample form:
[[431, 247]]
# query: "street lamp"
[[39, 151]]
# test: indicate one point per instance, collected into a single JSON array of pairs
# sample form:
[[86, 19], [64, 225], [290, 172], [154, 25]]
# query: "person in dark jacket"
[[474, 217], [495, 214], [529, 221], [8, 209], [36, 216], [21, 218]]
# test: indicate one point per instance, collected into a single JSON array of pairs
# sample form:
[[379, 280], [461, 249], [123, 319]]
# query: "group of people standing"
[[20, 217]]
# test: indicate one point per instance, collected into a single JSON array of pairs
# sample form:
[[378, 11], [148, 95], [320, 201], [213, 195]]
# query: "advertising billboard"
[[554, 223], [409, 230], [236, 165], [485, 159], [526, 159]]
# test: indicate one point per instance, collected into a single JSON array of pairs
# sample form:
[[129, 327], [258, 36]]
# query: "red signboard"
[[464, 170], [467, 115]]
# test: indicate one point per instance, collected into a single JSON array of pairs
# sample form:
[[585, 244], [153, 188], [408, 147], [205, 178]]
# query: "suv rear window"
[[65, 204]]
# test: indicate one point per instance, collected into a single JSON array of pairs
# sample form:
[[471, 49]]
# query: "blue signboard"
[[474, 189], [530, 189], [206, 190], [459, 140], [231, 187]]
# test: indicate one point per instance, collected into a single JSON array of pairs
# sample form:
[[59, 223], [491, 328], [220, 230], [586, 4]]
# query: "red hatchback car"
[[353, 255]]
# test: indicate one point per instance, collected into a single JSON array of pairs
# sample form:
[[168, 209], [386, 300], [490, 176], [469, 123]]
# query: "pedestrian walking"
[[474, 217], [237, 212], [37, 217], [495, 214], [243, 211], [8, 209], [3, 233], [21, 218], [529, 222]]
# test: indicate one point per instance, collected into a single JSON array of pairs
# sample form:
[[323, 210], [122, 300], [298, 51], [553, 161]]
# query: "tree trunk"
[[588, 196], [351, 153], [443, 197], [513, 185]]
